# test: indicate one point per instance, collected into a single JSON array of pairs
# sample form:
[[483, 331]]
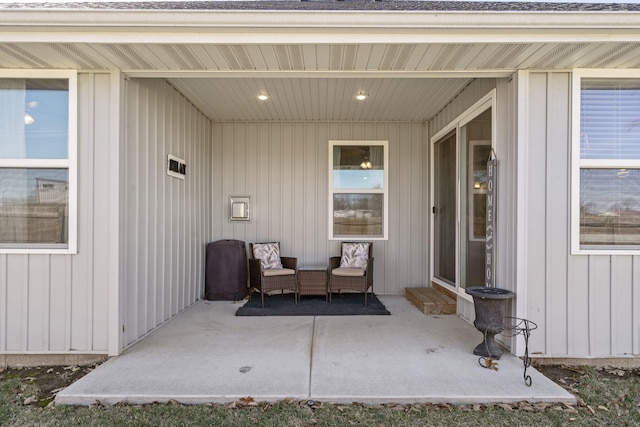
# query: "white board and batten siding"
[[584, 305], [284, 167], [58, 303], [167, 221]]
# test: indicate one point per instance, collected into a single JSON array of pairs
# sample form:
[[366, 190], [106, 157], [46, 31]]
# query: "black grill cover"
[[226, 273]]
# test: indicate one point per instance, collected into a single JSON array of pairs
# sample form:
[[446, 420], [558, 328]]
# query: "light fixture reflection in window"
[[366, 163], [28, 119], [622, 173]]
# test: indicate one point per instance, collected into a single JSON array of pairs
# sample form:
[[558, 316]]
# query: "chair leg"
[[262, 296], [365, 298]]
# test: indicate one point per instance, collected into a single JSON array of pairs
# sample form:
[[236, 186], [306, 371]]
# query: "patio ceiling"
[[407, 82]]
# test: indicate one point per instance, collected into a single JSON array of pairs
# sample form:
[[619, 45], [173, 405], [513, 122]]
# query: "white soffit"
[[320, 99], [378, 57]]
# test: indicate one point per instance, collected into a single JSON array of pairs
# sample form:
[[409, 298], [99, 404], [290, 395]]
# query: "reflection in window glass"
[[610, 207], [358, 167], [35, 118], [33, 206], [357, 214], [358, 180]]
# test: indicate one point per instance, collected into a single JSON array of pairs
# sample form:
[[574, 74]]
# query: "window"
[[606, 163], [37, 162], [358, 199]]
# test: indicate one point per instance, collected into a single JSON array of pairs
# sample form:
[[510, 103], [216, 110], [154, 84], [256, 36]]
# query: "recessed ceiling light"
[[263, 96], [361, 96]]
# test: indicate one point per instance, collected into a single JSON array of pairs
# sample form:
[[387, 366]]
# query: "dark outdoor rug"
[[284, 305]]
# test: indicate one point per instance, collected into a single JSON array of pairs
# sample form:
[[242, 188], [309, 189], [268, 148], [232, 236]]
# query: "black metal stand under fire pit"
[[515, 326]]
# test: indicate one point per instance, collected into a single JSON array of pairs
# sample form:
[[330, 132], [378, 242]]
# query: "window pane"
[[610, 119], [34, 123], [34, 206], [358, 167], [609, 207], [358, 215]]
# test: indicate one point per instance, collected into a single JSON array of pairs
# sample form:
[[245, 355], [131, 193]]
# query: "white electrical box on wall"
[[176, 167], [239, 208]]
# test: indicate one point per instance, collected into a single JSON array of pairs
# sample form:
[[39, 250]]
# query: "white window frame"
[[384, 191], [577, 163], [70, 163]]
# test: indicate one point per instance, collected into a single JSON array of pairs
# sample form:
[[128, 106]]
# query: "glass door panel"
[[445, 209], [475, 140]]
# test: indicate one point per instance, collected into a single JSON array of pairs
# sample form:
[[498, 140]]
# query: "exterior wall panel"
[[283, 167], [557, 211], [56, 303], [465, 99], [536, 274], [166, 220], [584, 305]]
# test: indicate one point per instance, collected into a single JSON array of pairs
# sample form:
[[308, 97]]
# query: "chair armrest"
[[334, 262], [289, 262], [254, 273], [369, 273]]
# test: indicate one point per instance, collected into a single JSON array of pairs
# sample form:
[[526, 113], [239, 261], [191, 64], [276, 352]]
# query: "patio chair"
[[353, 269], [268, 271]]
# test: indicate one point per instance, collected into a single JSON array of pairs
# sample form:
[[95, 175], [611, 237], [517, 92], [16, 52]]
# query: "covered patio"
[[206, 354], [162, 80]]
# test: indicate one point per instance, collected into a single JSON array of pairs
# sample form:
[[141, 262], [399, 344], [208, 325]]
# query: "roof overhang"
[[197, 49]]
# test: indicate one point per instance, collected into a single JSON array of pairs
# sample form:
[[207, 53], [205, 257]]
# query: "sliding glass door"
[[459, 199]]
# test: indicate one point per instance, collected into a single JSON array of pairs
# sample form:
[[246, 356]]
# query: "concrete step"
[[431, 301]]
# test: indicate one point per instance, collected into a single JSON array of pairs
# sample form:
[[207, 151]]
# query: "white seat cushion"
[[353, 272], [278, 272]]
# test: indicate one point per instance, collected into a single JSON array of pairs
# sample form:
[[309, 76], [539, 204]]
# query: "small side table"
[[312, 281]]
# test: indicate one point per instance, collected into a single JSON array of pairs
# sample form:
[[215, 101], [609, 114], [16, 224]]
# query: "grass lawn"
[[606, 397]]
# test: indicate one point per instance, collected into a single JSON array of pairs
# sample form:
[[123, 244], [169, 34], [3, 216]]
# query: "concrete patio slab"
[[415, 358], [207, 354]]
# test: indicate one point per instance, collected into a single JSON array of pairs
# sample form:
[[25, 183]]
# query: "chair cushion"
[[268, 254], [354, 255], [353, 272], [278, 272]]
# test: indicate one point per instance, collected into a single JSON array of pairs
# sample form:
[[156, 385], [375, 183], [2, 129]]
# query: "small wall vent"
[[176, 167]]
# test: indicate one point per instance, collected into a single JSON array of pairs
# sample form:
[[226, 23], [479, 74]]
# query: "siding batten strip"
[[46, 307], [115, 238], [90, 159], [69, 302], [635, 316], [4, 322], [25, 302]]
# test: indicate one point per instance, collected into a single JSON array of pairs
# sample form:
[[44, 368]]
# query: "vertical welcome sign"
[[490, 233]]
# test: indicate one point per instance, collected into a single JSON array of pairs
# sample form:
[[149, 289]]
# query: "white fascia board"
[[260, 27], [146, 35], [321, 19]]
